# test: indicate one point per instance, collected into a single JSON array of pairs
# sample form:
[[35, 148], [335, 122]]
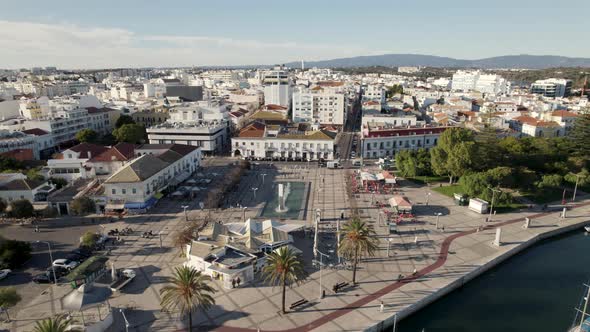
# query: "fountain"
[[283, 192]]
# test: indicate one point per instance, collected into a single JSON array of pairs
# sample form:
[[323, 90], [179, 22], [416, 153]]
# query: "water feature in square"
[[288, 201]]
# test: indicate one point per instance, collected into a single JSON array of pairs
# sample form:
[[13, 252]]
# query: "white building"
[[277, 87], [267, 142], [386, 141], [552, 88], [16, 186], [201, 124], [70, 164], [138, 184], [319, 106], [375, 92], [478, 81]]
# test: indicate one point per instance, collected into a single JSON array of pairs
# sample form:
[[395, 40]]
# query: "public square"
[[408, 267]]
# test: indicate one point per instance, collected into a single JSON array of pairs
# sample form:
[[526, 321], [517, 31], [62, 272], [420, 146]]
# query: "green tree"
[[33, 174], [582, 177], [58, 323], [550, 181], [580, 135], [21, 208], [285, 268], [358, 241], [454, 154], [130, 133], [502, 176], [8, 298], [83, 205], [189, 291], [14, 253], [89, 239], [58, 182], [123, 120], [489, 153], [87, 135], [394, 90]]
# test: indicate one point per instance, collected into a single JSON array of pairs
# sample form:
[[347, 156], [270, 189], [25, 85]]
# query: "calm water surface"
[[535, 291]]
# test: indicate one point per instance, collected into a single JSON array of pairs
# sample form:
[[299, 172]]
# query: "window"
[[114, 191], [123, 191], [134, 191]]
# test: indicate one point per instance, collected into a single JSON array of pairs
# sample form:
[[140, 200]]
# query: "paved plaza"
[[427, 259]]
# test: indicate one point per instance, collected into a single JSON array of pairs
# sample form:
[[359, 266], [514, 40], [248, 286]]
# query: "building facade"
[[379, 142]]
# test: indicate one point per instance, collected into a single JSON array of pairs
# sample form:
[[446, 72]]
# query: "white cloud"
[[27, 44]]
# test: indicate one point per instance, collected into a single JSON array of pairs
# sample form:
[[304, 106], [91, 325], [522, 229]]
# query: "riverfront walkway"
[[441, 260]]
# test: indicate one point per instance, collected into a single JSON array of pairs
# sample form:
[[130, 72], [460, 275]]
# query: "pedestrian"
[[239, 281], [381, 306], [37, 229], [233, 283]]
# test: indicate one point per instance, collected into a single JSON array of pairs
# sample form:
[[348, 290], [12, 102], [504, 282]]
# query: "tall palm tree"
[[53, 324], [358, 241], [188, 292], [284, 267]]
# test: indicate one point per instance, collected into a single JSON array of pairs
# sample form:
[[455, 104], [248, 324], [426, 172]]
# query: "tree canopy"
[[21, 208], [83, 205], [130, 133], [87, 135], [123, 120]]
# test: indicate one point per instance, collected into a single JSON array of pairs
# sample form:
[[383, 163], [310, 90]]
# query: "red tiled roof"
[[275, 107], [35, 131], [119, 152], [526, 119], [84, 148], [564, 114], [255, 129], [406, 131], [547, 124], [330, 83]]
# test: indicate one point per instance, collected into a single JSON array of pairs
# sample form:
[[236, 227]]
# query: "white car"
[[4, 273], [65, 263]]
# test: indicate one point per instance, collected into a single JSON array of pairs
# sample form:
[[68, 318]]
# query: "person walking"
[[239, 281], [233, 283]]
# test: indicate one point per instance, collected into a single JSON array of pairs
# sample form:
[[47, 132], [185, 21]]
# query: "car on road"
[[353, 154], [75, 257], [82, 252], [59, 271], [65, 263], [4, 273], [43, 278]]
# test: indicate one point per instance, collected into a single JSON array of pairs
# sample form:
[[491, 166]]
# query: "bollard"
[[498, 240], [563, 213], [527, 223]]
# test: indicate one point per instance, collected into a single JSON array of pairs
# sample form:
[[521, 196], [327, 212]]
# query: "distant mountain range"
[[523, 61]]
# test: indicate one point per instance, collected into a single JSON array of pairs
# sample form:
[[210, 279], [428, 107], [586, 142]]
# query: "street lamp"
[[185, 212], [263, 175], [492, 205], [576, 187], [51, 259], [254, 191], [321, 263], [126, 321], [438, 214], [389, 240], [244, 212], [428, 198]]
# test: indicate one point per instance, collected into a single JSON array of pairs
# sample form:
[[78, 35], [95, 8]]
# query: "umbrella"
[[191, 181], [177, 193]]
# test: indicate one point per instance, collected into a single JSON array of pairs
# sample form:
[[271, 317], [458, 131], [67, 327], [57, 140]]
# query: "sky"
[[145, 33]]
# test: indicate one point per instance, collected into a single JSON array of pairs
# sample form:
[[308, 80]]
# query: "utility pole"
[[263, 175], [438, 214], [576, 187], [492, 205], [185, 212]]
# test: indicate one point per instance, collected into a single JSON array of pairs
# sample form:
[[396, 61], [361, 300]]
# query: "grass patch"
[[543, 196], [424, 179], [449, 190]]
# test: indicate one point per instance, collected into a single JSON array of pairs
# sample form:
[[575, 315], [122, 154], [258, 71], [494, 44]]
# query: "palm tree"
[[188, 292], [358, 241], [284, 267], [53, 324]]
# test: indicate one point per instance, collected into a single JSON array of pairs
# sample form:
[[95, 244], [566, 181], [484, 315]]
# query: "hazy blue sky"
[[108, 33]]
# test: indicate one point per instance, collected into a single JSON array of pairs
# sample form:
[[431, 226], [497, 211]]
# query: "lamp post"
[[185, 212], [438, 214], [389, 240], [263, 175], [126, 321], [576, 187], [244, 212], [51, 259], [321, 263], [492, 205], [254, 191], [428, 198], [160, 236]]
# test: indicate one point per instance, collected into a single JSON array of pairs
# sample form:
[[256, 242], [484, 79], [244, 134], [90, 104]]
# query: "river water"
[[535, 291]]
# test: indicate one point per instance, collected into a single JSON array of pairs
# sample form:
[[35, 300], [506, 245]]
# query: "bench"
[[297, 303], [339, 286]]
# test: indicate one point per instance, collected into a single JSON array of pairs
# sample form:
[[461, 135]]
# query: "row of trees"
[[126, 130]]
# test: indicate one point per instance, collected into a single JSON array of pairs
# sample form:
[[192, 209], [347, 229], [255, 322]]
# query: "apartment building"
[[277, 87], [319, 106], [477, 81], [552, 88]]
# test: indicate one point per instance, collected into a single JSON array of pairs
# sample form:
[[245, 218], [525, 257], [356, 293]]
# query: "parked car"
[[59, 271], [43, 278], [65, 263], [83, 252], [4, 273], [75, 257]]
